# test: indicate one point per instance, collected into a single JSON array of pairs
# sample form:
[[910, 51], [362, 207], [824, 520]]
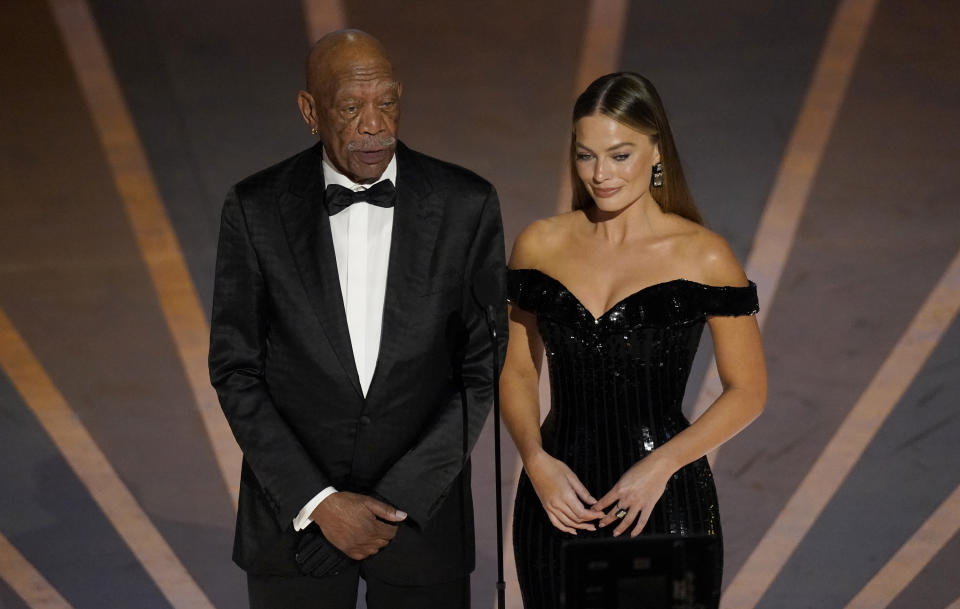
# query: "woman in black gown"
[[617, 293]]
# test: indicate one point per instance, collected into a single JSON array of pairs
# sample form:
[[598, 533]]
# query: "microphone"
[[486, 291]]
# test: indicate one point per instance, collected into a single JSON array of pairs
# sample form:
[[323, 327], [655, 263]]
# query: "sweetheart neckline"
[[597, 319]]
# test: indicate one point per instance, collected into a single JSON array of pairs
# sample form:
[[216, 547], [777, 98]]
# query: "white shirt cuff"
[[302, 520]]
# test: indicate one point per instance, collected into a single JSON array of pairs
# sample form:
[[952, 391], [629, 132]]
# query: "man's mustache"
[[373, 143]]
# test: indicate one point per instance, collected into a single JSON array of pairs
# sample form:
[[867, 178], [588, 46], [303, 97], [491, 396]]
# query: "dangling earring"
[[657, 177], [313, 131]]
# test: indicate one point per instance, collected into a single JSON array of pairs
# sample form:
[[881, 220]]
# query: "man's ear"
[[308, 109]]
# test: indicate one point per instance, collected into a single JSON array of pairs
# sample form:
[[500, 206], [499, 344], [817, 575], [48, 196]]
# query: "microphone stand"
[[492, 326]]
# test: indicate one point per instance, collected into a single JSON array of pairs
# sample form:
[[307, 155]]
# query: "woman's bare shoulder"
[[540, 239], [716, 260], [707, 255]]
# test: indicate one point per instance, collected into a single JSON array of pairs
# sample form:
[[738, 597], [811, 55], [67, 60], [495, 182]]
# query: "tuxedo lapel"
[[307, 227], [416, 222]]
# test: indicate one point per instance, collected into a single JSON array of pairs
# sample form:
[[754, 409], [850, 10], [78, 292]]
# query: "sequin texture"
[[617, 383]]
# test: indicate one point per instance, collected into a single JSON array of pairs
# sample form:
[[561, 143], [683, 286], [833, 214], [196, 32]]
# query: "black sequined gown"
[[616, 385]]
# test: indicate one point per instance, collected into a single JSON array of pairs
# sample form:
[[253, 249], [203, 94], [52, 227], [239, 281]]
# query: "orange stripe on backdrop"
[[323, 16], [912, 557], [95, 472], [154, 235], [29, 584], [801, 161], [848, 443]]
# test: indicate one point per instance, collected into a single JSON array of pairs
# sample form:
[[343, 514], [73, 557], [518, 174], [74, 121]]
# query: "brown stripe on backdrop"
[[848, 443], [323, 16], [154, 235], [912, 557], [32, 587], [95, 471], [798, 169]]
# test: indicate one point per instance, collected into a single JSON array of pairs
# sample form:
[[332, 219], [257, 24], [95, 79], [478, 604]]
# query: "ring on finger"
[[621, 512]]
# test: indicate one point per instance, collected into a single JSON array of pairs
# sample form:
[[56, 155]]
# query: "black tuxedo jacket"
[[282, 363]]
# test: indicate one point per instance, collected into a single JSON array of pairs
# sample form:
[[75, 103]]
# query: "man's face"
[[358, 112]]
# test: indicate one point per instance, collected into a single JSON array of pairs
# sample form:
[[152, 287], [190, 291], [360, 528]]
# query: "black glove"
[[317, 557]]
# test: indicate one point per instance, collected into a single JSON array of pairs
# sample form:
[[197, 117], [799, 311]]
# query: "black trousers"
[[340, 592]]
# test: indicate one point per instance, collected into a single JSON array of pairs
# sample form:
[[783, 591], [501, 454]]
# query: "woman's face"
[[613, 161]]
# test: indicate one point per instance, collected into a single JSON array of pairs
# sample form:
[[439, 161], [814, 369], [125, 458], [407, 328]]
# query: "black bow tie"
[[381, 194]]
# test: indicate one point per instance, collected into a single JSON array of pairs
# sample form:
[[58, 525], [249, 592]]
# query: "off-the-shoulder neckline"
[[632, 295]]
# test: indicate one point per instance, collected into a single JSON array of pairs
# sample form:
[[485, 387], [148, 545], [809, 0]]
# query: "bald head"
[[344, 51], [352, 102]]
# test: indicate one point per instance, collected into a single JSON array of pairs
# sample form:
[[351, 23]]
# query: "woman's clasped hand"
[[563, 496], [637, 492], [570, 506]]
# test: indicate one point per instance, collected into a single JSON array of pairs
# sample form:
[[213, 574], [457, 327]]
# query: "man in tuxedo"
[[350, 353]]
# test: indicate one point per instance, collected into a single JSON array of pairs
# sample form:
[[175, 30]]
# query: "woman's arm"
[[520, 383], [560, 491], [743, 375]]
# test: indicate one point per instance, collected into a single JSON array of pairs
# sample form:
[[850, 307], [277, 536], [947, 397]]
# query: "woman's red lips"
[[603, 193]]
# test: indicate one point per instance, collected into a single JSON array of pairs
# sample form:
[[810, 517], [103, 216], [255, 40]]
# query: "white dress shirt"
[[361, 242]]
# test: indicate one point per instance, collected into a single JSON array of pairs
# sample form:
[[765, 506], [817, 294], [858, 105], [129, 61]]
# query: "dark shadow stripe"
[[9, 599], [733, 78], [904, 475], [870, 247], [936, 585], [211, 87], [72, 282], [52, 520]]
